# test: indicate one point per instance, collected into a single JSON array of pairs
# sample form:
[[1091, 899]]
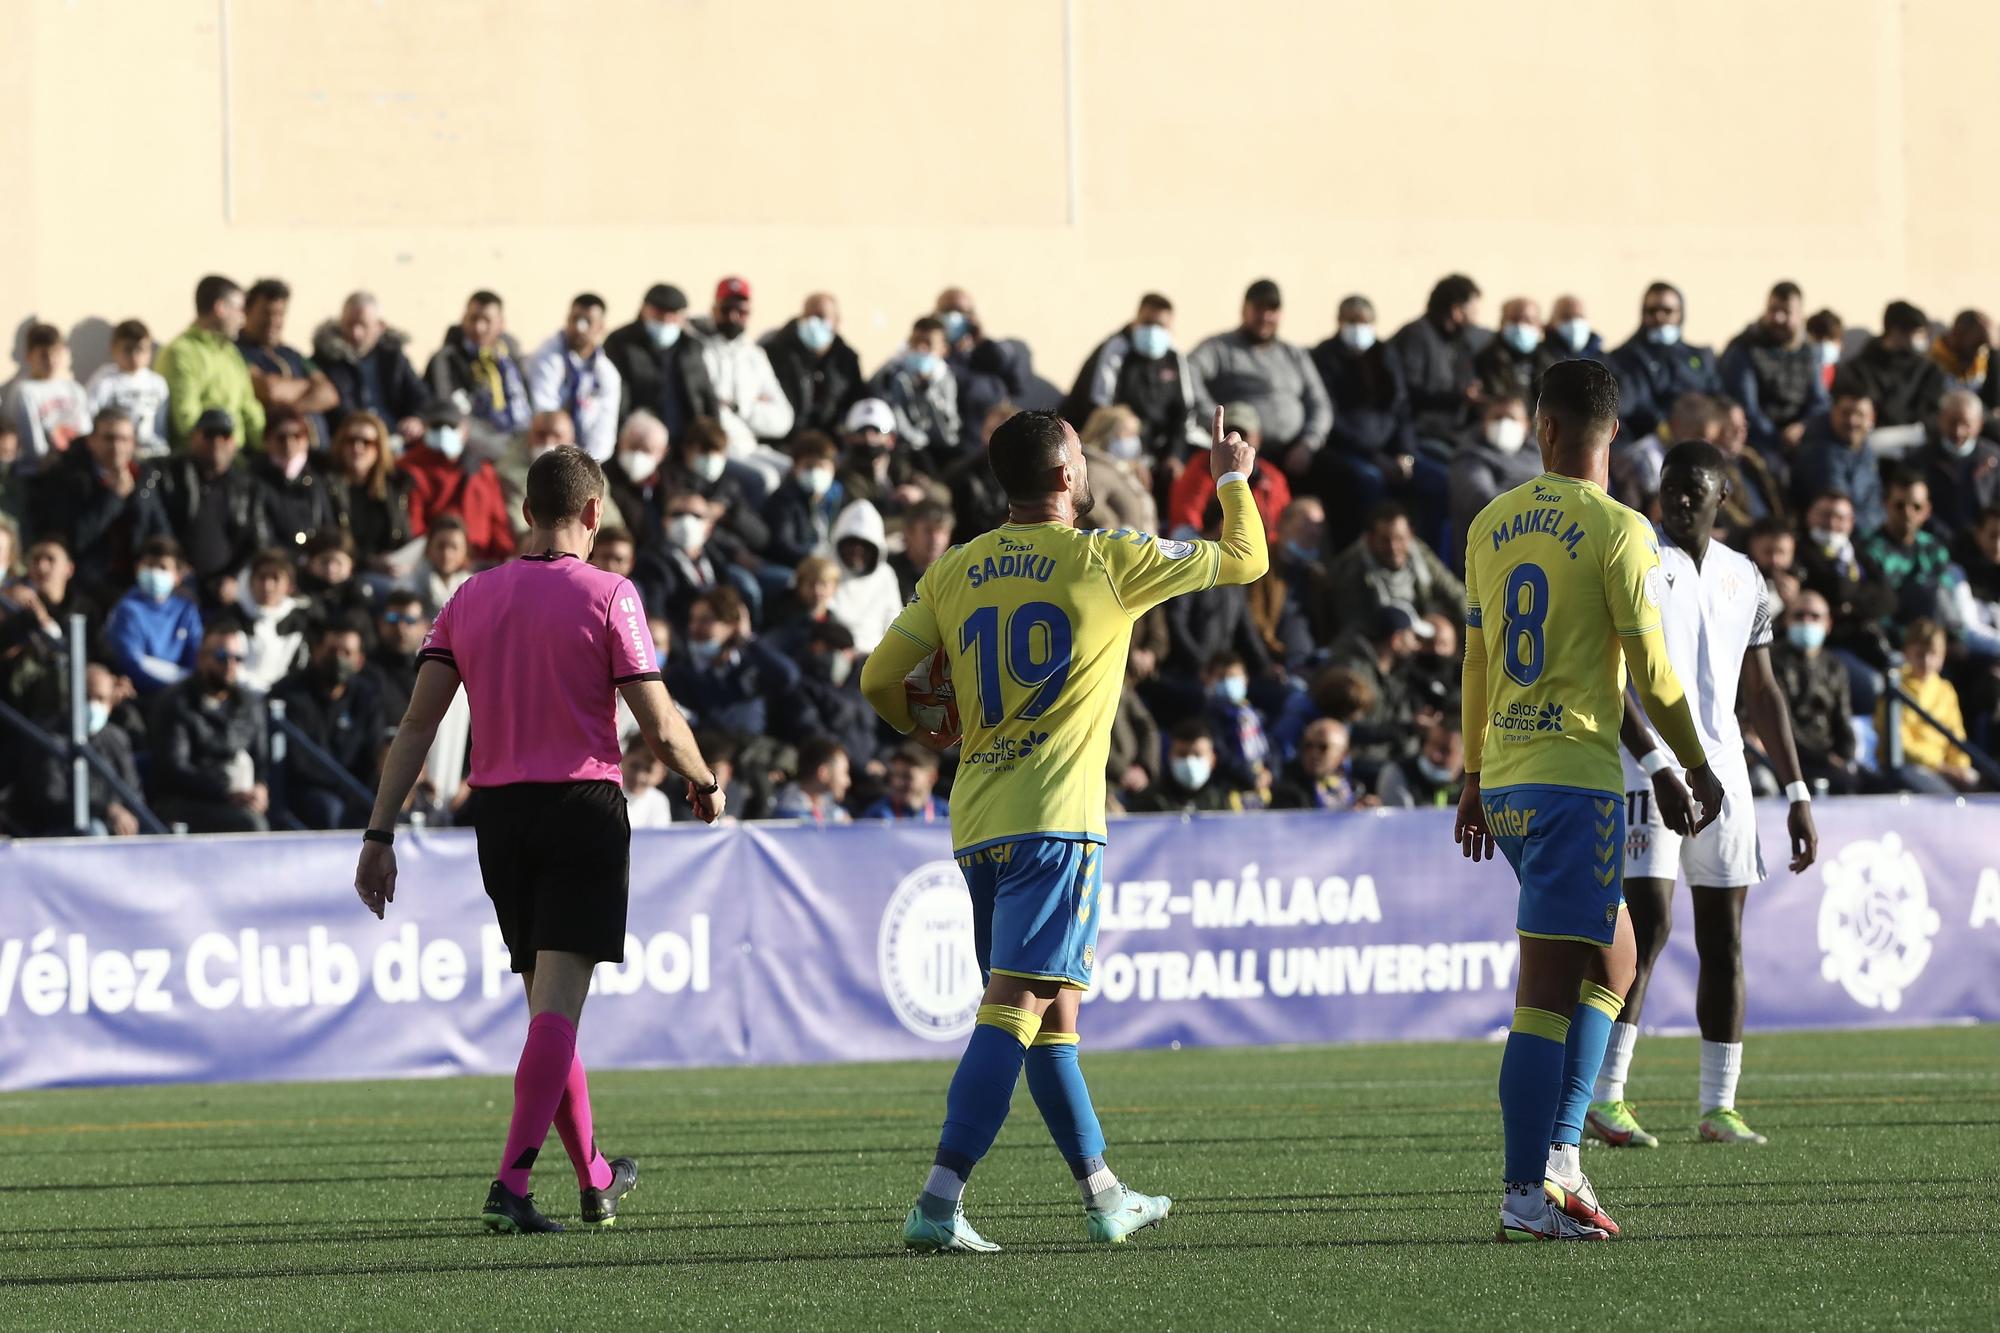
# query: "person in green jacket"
[[204, 370]]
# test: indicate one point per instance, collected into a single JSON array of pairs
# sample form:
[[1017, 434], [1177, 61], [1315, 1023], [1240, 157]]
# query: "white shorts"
[[1725, 855]]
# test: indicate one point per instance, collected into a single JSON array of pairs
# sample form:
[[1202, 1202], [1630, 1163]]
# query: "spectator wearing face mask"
[[294, 495], [1827, 332], [699, 462], [571, 374], [446, 479], [1834, 456], [1138, 368], [752, 406], [815, 366], [1251, 365], [1772, 369], [479, 368], [986, 370], [1655, 366], [660, 370], [921, 392], [1499, 460], [1432, 777], [1191, 783], [1961, 470], [1318, 778], [1119, 476], [1894, 371], [1507, 365], [722, 674], [369, 493], [927, 529], [274, 620], [634, 478], [1830, 566], [799, 513], [364, 360], [1569, 336], [878, 467], [154, 634], [1438, 351], [1372, 447], [672, 572], [1817, 696], [1242, 749], [337, 708], [869, 598]]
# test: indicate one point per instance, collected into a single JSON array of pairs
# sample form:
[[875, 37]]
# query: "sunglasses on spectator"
[[224, 655], [401, 618]]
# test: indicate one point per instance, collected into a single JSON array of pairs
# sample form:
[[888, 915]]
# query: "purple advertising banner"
[[137, 960]]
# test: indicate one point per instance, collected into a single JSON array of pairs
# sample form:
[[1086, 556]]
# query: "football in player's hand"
[[933, 702]]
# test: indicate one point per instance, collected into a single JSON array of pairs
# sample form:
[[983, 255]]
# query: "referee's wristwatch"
[[387, 837], [711, 789]]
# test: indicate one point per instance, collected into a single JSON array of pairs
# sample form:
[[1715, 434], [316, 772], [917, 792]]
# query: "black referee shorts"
[[557, 860]]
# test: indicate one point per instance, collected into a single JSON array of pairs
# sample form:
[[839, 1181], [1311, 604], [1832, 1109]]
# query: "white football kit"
[[1712, 616]]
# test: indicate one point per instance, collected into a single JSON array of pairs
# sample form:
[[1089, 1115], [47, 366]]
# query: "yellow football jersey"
[[1557, 575], [1036, 620]]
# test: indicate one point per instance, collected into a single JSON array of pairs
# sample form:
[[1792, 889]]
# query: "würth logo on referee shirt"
[[635, 625]]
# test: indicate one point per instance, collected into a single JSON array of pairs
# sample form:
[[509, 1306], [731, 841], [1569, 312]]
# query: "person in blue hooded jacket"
[[1654, 366], [154, 634]]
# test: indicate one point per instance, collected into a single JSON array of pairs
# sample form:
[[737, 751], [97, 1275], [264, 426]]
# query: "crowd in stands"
[[257, 525]]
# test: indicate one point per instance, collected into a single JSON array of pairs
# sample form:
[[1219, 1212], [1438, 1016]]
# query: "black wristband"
[[710, 790], [386, 837]]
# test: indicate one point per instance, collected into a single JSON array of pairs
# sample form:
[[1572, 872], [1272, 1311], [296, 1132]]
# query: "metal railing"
[[1895, 700], [284, 736], [84, 761]]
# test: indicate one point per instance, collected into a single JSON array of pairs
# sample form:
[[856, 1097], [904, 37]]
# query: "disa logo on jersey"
[[930, 974], [1875, 922]]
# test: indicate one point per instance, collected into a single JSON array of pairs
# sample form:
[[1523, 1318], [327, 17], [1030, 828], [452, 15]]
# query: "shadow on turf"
[[1138, 1253]]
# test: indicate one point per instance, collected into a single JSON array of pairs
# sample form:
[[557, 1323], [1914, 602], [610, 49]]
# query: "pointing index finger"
[[1218, 426]]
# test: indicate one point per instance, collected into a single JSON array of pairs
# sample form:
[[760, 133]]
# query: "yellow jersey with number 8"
[[1557, 573]]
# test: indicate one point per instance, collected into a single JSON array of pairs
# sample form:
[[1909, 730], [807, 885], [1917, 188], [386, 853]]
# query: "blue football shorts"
[[1034, 907], [1566, 847]]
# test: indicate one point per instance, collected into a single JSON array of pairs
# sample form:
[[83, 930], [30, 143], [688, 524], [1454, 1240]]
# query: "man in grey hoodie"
[[1249, 364]]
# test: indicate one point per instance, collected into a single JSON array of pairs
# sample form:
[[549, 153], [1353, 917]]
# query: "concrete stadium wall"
[[1055, 156]]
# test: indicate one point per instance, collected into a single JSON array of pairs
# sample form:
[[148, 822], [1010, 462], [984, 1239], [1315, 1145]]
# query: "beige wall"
[[884, 148]]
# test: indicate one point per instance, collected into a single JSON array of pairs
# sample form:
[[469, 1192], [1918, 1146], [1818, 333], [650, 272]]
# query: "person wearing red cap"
[[754, 410]]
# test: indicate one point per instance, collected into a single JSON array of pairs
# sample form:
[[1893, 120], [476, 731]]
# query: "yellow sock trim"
[[1056, 1039], [1536, 1023], [1607, 1002], [1016, 1023]]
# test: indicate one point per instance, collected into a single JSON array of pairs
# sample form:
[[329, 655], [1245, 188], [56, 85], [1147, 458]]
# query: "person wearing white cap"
[[918, 387], [875, 467]]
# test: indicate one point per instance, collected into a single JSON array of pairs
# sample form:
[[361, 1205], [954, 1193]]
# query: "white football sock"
[[1563, 1164], [1617, 1063], [945, 1184], [1099, 1188], [1721, 1065]]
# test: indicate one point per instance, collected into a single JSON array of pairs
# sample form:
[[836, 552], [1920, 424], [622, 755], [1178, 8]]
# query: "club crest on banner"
[[1875, 922], [930, 974]]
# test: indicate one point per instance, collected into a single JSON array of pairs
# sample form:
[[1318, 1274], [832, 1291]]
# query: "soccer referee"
[[544, 646]]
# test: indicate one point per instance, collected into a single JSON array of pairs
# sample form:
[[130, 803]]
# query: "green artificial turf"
[[1325, 1187]]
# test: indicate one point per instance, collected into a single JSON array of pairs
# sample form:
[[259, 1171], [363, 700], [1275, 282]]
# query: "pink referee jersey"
[[542, 643]]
